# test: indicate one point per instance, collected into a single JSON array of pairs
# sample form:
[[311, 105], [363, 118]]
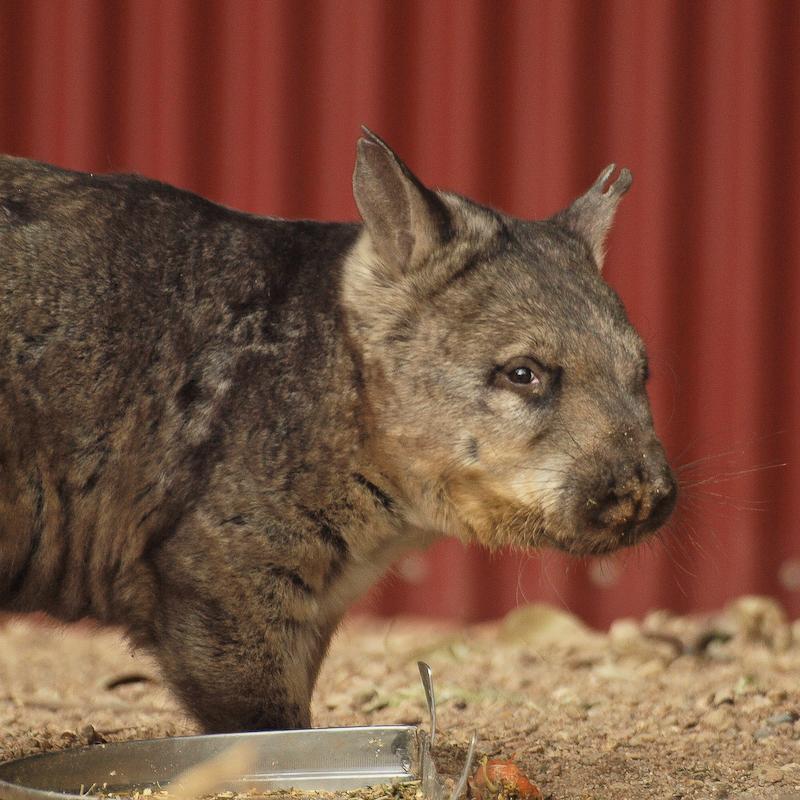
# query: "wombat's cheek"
[[517, 507]]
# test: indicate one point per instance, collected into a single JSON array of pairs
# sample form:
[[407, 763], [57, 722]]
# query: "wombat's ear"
[[591, 215], [405, 220]]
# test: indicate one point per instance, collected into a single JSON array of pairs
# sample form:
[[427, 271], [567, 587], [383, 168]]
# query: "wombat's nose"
[[630, 499]]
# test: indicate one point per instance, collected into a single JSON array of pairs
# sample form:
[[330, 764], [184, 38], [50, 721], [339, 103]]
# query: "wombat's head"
[[504, 386]]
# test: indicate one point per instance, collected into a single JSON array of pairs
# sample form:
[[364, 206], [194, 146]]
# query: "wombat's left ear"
[[405, 220], [591, 215]]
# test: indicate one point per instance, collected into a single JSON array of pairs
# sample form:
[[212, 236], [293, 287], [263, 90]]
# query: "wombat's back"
[[99, 273], [107, 266]]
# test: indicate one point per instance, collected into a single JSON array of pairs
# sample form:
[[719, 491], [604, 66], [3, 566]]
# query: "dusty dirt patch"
[[666, 708]]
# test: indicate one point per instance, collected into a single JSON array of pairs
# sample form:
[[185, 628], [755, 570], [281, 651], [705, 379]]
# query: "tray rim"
[[16, 791]]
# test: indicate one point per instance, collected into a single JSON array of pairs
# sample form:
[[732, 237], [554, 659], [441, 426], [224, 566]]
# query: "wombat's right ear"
[[591, 215], [405, 220]]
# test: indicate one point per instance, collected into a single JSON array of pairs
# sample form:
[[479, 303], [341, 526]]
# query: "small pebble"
[[722, 697], [364, 696], [376, 703], [651, 668], [788, 717], [91, 736], [777, 695], [772, 775], [719, 718]]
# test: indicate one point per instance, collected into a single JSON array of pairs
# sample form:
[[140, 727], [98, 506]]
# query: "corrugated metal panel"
[[257, 105]]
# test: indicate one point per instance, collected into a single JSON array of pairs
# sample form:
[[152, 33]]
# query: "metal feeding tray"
[[316, 759]]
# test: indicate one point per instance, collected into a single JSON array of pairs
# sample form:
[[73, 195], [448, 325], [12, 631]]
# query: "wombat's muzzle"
[[633, 496]]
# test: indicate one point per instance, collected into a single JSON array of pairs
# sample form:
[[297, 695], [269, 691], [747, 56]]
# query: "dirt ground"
[[668, 707]]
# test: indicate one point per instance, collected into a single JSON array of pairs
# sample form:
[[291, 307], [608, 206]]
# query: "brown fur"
[[217, 430]]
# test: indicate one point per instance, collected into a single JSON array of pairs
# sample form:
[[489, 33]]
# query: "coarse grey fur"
[[216, 430]]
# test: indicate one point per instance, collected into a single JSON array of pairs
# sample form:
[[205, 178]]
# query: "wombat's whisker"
[[679, 559], [554, 470], [739, 448], [686, 448], [522, 562], [664, 543], [712, 541], [695, 513], [728, 476], [672, 540], [544, 572], [692, 506], [732, 502], [701, 462], [569, 433], [682, 535], [706, 499]]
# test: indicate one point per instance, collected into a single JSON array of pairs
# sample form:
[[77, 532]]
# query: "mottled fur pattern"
[[216, 430]]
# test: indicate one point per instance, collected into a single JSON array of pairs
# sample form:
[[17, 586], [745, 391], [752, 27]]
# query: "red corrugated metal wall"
[[519, 104]]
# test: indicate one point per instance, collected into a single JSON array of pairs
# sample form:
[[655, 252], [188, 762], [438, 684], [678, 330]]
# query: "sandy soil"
[[664, 708]]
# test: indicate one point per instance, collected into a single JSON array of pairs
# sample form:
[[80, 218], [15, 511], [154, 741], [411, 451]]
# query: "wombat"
[[217, 429]]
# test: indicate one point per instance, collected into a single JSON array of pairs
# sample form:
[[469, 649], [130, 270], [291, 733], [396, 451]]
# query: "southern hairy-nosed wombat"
[[217, 429]]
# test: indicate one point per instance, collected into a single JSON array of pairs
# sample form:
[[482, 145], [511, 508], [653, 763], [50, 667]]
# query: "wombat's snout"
[[633, 496]]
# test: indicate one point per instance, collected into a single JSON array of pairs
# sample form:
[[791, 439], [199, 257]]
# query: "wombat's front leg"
[[228, 648], [235, 673], [235, 676]]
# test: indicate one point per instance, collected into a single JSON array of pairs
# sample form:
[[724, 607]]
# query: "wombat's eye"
[[522, 375]]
